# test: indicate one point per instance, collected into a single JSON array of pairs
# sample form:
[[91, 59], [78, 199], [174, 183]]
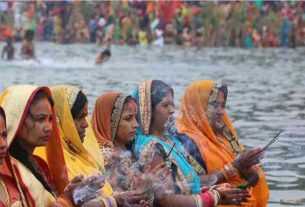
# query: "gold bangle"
[[224, 173], [112, 201], [104, 202], [233, 169]]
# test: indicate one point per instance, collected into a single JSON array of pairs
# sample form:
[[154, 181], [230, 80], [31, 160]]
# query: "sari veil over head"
[[106, 117], [194, 120], [80, 158], [16, 102], [188, 180]]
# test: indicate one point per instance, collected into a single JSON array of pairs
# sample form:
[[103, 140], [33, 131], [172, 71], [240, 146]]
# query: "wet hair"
[[106, 52], [29, 34], [79, 104], [159, 90], [9, 41], [18, 152]]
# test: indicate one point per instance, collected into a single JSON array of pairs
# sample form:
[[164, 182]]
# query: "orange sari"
[[193, 121], [101, 119]]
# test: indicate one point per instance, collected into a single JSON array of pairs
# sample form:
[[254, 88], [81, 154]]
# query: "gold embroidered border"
[[116, 114], [144, 91], [72, 94]]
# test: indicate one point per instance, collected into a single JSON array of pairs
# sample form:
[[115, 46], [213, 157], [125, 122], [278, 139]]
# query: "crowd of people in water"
[[246, 24], [27, 51], [130, 152]]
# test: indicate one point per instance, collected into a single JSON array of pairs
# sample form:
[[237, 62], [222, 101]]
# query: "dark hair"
[[9, 40], [18, 152], [159, 90], [79, 104], [106, 52], [2, 113], [29, 34], [129, 145], [224, 89], [129, 99], [41, 94]]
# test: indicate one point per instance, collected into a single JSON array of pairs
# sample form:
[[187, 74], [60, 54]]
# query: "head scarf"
[[80, 158], [16, 102], [194, 119], [106, 117]]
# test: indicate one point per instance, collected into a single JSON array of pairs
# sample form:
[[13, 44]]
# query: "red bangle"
[[207, 199]]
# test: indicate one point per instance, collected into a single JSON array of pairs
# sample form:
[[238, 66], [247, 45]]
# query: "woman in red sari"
[[25, 178]]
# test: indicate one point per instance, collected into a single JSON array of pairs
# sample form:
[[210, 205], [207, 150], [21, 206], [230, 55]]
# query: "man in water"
[[103, 56], [8, 50], [28, 48]]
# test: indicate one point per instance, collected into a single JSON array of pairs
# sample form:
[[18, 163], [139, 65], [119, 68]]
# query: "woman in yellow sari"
[[26, 179], [203, 118], [81, 150]]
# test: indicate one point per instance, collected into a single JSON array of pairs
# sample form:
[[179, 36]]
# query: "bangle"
[[233, 169], [112, 202], [216, 197], [104, 202], [198, 200], [207, 199], [225, 175], [229, 171], [108, 201]]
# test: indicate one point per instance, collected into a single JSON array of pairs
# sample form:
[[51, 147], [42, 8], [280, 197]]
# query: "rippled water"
[[266, 92]]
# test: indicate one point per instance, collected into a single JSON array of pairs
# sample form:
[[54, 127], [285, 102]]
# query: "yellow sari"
[[193, 120], [16, 101], [80, 158]]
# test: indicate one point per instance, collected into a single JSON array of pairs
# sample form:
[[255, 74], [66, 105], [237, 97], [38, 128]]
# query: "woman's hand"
[[251, 175], [230, 195], [132, 198], [247, 159], [77, 181], [80, 190]]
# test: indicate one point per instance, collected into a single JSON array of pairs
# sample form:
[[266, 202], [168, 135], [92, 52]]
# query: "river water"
[[266, 92]]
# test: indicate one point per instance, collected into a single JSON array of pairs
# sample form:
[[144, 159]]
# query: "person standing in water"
[[8, 50], [103, 56], [28, 47]]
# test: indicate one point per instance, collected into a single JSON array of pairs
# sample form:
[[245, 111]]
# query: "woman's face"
[[81, 123], [37, 126], [218, 113], [3, 135], [163, 111], [128, 124]]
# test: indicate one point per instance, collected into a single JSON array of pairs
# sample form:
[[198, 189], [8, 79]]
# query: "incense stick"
[[272, 141], [170, 150]]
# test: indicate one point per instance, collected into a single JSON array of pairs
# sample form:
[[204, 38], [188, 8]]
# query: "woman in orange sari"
[[25, 178], [114, 124], [154, 145], [204, 120]]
